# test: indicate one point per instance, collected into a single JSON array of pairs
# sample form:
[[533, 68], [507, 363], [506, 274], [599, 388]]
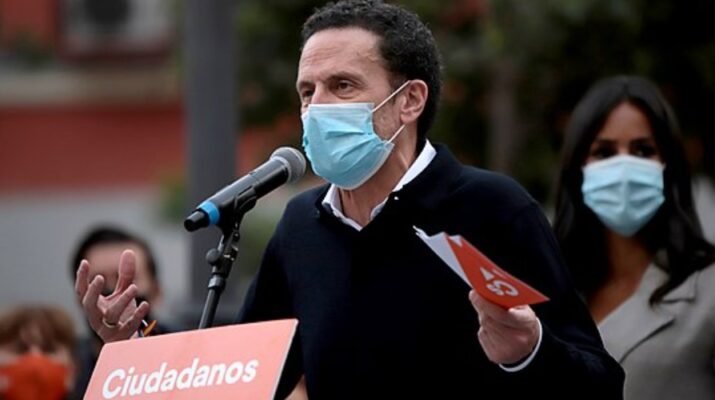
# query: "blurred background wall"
[[91, 131], [93, 117]]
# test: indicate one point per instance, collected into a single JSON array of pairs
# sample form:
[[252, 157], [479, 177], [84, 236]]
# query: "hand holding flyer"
[[479, 272]]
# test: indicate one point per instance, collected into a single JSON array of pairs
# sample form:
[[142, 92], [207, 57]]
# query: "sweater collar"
[[432, 186], [331, 200], [426, 190]]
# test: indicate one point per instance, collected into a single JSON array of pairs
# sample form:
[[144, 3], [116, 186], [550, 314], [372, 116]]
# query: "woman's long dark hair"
[[675, 229]]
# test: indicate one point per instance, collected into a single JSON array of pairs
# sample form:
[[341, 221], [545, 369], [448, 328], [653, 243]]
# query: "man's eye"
[[344, 85], [306, 95]]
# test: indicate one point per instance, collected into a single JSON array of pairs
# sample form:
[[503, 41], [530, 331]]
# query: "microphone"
[[286, 164]]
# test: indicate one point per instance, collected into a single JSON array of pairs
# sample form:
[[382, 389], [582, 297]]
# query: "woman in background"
[[629, 232]]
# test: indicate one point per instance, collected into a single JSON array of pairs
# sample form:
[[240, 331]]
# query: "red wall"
[[35, 17], [71, 146]]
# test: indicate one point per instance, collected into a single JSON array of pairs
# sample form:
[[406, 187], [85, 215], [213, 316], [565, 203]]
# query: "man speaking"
[[380, 315]]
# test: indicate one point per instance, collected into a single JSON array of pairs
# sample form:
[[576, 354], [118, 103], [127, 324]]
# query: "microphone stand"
[[224, 255]]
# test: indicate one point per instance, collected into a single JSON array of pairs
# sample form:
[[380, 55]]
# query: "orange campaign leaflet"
[[233, 362], [479, 272]]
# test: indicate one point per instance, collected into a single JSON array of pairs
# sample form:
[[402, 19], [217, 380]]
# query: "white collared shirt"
[[331, 201]]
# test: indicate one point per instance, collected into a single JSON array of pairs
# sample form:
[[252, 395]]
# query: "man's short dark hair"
[[406, 44], [102, 235]]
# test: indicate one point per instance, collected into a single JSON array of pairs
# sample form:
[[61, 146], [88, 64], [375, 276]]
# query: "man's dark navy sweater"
[[381, 316]]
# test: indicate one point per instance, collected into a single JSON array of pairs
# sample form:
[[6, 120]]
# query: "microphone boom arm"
[[224, 255]]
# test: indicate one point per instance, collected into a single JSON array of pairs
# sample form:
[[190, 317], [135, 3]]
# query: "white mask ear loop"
[[388, 99], [391, 96], [402, 128]]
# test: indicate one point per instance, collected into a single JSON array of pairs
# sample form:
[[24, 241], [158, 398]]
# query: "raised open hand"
[[117, 316]]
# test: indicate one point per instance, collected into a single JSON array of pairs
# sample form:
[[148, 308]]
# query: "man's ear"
[[415, 95]]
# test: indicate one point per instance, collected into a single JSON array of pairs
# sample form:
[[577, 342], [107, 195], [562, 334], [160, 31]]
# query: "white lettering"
[[250, 371], [502, 288], [487, 275], [125, 383], [169, 381], [187, 375], [110, 394], [219, 369], [231, 377], [134, 388], [152, 387], [202, 376]]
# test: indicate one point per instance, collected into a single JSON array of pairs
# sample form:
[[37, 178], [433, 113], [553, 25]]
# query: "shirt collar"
[[331, 201]]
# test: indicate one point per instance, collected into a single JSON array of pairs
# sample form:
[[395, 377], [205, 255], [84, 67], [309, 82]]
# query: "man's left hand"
[[506, 335]]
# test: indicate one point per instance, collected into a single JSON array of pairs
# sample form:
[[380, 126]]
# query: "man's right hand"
[[117, 316]]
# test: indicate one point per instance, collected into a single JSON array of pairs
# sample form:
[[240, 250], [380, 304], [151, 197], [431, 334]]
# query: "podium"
[[231, 362]]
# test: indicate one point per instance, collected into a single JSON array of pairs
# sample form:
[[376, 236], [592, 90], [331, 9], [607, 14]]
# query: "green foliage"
[[268, 52], [29, 51], [172, 199]]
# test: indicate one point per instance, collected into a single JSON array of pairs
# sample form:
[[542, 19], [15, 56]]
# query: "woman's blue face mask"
[[341, 144], [623, 191]]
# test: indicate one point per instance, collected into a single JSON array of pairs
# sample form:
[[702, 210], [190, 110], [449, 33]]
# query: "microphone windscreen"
[[294, 161]]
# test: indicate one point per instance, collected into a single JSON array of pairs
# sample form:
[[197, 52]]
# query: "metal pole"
[[210, 93]]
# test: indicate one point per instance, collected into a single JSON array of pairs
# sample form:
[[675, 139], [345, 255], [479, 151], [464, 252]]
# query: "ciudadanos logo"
[[231, 362], [121, 382]]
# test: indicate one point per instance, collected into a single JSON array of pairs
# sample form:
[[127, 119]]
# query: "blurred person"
[[102, 246], [630, 234], [36, 347], [381, 316]]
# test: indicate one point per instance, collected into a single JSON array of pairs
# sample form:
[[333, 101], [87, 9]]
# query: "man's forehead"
[[352, 48]]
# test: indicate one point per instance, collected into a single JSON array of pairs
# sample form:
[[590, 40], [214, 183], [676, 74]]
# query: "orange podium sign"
[[232, 362]]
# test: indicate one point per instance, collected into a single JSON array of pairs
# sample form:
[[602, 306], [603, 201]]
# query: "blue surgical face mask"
[[623, 191], [341, 143]]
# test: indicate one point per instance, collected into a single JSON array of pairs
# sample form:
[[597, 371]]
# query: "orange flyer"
[[232, 362], [479, 272]]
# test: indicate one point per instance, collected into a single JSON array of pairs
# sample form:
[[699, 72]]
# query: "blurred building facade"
[[91, 131]]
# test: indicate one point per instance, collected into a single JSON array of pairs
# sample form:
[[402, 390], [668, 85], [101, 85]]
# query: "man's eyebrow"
[[302, 84], [334, 76]]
